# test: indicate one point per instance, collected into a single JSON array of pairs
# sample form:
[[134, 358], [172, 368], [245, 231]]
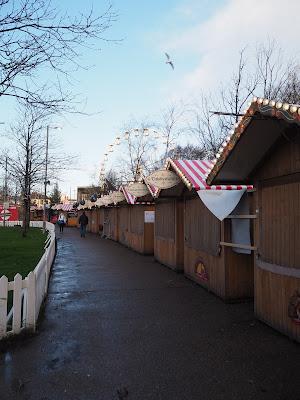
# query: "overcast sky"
[[130, 78]]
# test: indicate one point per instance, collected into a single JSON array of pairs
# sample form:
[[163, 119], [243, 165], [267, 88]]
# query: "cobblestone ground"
[[117, 325]]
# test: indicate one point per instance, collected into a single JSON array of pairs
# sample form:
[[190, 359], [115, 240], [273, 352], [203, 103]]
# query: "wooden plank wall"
[[169, 237], [230, 274], [106, 223], [277, 236], [165, 220], [273, 293], [280, 222], [100, 217], [114, 223], [137, 219], [165, 251], [123, 217], [202, 228], [132, 231], [141, 235], [201, 244], [93, 221], [110, 226], [239, 268], [215, 268]]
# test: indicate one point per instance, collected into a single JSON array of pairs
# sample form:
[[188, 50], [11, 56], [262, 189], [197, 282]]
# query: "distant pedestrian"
[[61, 222], [83, 221]]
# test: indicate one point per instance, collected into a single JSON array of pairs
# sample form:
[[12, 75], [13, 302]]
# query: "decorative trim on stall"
[[294, 307], [201, 271], [152, 189], [278, 269], [265, 107]]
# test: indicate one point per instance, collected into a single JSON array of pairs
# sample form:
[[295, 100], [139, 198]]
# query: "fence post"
[[46, 271], [31, 299], [17, 304], [3, 305]]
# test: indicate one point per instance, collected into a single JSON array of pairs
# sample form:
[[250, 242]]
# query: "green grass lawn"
[[18, 254]]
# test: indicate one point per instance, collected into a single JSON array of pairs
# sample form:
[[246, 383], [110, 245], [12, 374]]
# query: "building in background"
[[85, 192]]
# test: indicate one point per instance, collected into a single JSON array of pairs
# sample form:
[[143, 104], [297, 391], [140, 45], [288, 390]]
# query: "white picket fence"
[[28, 293]]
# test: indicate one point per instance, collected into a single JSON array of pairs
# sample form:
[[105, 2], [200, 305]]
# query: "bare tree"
[[290, 92], [171, 125], [36, 37], [236, 95], [205, 127], [112, 179], [26, 160], [187, 152], [278, 76], [270, 74]]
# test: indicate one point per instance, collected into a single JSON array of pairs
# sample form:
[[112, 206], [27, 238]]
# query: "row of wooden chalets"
[[232, 224]]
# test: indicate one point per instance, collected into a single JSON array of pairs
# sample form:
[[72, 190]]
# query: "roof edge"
[[266, 107]]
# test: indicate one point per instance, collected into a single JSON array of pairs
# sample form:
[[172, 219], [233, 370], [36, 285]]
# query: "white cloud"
[[216, 42]]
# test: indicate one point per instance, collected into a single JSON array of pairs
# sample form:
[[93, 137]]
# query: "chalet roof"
[[263, 123], [147, 199]]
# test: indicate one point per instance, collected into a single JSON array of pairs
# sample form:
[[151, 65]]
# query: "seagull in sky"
[[169, 61]]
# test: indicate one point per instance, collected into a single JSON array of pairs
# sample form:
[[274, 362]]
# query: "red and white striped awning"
[[62, 207], [132, 199], [67, 207], [196, 171], [152, 189], [129, 197]]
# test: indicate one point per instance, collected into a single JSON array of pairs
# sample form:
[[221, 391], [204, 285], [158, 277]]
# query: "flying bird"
[[169, 61]]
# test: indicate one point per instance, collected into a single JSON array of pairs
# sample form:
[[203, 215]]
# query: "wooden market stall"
[[94, 213], [264, 149], [94, 216], [110, 222], [169, 227], [193, 238], [67, 210], [136, 222], [36, 213]]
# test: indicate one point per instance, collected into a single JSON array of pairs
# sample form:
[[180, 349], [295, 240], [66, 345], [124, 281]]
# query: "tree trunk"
[[26, 217]]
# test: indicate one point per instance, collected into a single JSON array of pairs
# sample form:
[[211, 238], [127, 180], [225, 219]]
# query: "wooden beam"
[[238, 246], [246, 216]]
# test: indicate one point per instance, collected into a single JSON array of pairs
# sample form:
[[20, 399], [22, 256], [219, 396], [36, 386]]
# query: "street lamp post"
[[46, 181]]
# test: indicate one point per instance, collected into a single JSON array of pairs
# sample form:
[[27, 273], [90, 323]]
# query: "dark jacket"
[[83, 220]]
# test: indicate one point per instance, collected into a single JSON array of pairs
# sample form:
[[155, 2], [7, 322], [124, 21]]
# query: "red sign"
[[11, 214]]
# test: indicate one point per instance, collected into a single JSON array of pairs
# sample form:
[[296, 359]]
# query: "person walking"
[[83, 221], [61, 222]]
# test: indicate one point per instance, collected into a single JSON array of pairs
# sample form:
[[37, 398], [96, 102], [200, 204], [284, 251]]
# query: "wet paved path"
[[116, 319]]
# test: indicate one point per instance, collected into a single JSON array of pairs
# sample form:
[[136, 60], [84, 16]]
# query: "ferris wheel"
[[125, 137]]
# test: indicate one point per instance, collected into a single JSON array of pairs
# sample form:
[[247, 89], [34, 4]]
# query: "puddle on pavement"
[[65, 353], [7, 373]]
